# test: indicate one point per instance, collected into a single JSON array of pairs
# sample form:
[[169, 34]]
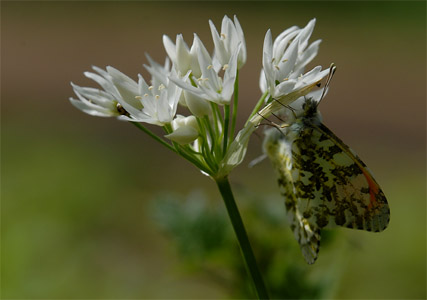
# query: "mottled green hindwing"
[[323, 182]]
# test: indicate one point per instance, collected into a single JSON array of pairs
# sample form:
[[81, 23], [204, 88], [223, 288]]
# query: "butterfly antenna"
[[271, 123], [280, 119], [286, 106], [332, 68]]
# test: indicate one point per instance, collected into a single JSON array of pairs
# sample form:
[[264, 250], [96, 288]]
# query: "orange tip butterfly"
[[324, 182]]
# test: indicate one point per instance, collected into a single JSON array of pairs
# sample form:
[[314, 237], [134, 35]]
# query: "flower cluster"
[[206, 87]]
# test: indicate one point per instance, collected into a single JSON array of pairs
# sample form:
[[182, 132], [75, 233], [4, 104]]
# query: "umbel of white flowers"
[[206, 86]]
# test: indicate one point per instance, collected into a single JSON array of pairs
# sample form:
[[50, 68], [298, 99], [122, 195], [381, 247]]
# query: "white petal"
[[194, 63], [262, 82], [183, 59], [220, 51], [106, 84], [169, 47], [282, 45], [92, 110], [183, 135], [287, 62], [97, 96], [242, 53], [282, 35], [306, 33], [197, 106], [126, 86], [307, 56], [284, 88]]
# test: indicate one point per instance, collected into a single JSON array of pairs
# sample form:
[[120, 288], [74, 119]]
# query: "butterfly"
[[324, 182]]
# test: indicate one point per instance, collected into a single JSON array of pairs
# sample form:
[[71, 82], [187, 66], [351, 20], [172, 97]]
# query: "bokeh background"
[[77, 191]]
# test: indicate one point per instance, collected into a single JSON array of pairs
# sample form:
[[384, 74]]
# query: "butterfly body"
[[324, 182]]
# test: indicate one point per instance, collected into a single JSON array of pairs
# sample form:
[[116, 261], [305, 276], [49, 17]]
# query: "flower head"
[[108, 102], [210, 85], [205, 84], [285, 59], [183, 58], [158, 103], [227, 42]]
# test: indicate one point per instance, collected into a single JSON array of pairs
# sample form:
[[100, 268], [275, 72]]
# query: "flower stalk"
[[240, 231]]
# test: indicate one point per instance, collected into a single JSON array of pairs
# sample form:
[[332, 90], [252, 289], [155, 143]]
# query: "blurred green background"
[[77, 191]]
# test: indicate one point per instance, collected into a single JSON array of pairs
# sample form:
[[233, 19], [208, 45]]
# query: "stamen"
[[285, 79], [145, 95], [210, 67], [223, 36], [157, 97], [225, 67], [150, 87], [285, 60], [138, 97], [277, 67], [205, 79], [161, 87]]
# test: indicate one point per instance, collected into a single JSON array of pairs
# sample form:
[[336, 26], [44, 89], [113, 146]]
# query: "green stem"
[[248, 255], [206, 153], [215, 114], [154, 136], [226, 123], [257, 106], [211, 132], [235, 102]]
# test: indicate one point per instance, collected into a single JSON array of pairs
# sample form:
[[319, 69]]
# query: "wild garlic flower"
[[183, 58], [106, 103], [211, 86], [159, 73], [285, 59], [227, 42], [158, 103], [94, 102]]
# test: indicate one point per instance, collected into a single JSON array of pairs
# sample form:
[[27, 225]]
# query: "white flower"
[[158, 103], [127, 89], [285, 59], [210, 86], [183, 58], [159, 73], [155, 104], [94, 102], [226, 43], [185, 130], [106, 103]]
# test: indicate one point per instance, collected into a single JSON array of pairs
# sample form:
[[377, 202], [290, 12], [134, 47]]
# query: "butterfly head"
[[308, 112], [309, 108]]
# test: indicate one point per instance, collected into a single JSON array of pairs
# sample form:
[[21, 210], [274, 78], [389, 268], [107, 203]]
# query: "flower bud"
[[185, 130], [198, 106]]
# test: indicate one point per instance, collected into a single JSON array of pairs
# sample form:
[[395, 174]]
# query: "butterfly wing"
[[341, 189], [279, 150], [324, 184]]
